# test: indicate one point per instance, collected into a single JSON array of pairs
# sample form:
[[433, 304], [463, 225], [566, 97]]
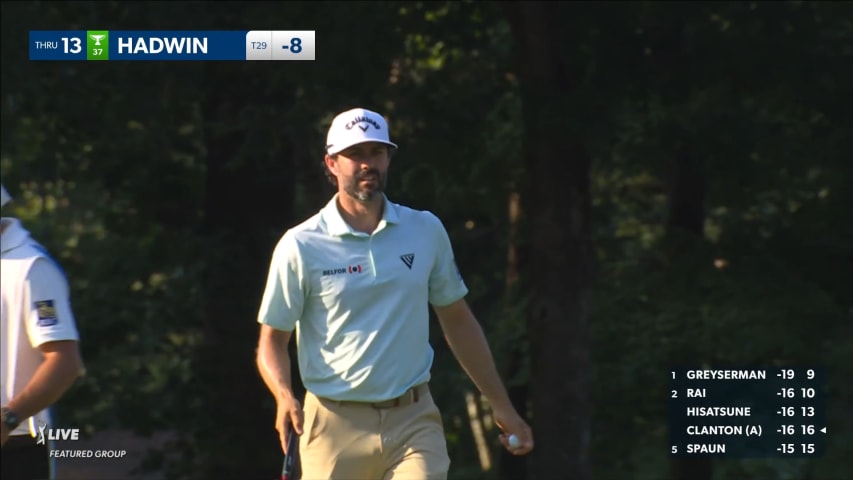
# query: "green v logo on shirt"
[[408, 259]]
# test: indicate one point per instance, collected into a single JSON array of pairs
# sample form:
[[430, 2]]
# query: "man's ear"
[[331, 162]]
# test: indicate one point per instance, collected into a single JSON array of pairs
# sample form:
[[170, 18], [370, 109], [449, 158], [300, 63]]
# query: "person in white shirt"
[[355, 282], [40, 356]]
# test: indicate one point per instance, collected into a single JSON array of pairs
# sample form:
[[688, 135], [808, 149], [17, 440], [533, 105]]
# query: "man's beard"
[[366, 194]]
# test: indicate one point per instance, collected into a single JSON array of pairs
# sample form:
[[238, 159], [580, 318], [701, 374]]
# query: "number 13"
[[75, 42]]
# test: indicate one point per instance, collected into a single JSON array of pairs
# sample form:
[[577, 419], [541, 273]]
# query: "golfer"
[[40, 358], [355, 281]]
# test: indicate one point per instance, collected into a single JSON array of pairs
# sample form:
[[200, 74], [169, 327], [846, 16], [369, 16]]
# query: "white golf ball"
[[513, 441]]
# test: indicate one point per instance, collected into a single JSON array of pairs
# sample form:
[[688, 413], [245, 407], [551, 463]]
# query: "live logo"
[[63, 434]]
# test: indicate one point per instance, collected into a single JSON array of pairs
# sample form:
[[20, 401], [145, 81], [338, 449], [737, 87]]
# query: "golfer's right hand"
[[288, 415]]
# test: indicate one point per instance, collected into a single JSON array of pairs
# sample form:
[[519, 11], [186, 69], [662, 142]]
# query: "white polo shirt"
[[360, 303], [35, 310]]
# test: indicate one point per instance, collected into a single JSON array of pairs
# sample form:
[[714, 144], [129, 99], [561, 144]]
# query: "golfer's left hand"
[[512, 424]]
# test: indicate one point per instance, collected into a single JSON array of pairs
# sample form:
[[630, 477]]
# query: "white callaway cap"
[[4, 196], [356, 126]]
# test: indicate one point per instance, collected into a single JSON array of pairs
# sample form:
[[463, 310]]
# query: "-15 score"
[[791, 448], [259, 45]]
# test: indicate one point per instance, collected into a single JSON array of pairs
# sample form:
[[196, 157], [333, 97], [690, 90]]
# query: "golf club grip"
[[290, 456]]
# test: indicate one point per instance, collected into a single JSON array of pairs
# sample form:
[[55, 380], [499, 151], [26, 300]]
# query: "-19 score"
[[788, 374]]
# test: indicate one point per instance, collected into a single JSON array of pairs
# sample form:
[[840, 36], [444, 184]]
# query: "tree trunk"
[[686, 217], [513, 467], [245, 212], [669, 65], [557, 199], [686, 210]]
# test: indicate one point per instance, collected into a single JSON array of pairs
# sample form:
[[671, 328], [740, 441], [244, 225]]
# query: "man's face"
[[362, 170]]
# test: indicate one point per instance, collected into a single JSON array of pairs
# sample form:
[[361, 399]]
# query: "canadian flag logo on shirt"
[[354, 269]]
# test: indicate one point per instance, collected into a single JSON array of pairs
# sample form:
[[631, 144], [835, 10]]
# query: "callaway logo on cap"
[[356, 126]]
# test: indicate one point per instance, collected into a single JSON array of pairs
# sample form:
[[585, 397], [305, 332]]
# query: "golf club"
[[287, 469]]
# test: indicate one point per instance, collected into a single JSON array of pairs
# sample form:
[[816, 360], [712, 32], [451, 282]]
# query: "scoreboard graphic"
[[750, 412], [182, 45]]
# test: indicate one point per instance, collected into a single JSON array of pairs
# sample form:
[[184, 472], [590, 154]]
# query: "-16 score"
[[791, 411], [790, 392], [791, 429], [259, 45]]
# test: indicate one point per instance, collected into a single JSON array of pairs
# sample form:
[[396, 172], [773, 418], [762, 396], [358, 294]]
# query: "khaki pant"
[[347, 441]]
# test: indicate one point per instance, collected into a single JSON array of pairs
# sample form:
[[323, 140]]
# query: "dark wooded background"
[[627, 185]]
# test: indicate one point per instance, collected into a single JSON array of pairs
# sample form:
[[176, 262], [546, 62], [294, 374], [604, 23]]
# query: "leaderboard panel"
[[747, 412], [183, 45]]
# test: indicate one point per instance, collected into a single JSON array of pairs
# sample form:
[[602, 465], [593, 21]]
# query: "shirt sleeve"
[[445, 281], [284, 297], [49, 316]]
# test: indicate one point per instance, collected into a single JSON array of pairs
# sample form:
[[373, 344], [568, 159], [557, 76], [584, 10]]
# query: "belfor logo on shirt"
[[347, 269]]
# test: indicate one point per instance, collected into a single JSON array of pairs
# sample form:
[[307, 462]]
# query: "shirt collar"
[[14, 234], [337, 226]]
